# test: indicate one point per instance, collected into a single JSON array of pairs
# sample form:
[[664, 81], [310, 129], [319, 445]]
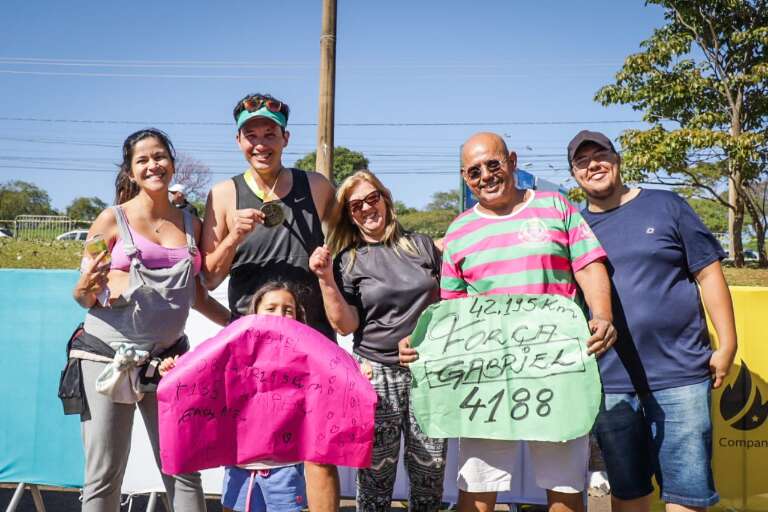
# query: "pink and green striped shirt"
[[534, 250]]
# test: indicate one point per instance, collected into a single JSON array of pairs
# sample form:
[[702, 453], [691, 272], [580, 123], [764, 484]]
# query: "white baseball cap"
[[176, 187]]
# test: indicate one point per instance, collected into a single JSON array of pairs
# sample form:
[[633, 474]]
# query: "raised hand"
[[321, 263]]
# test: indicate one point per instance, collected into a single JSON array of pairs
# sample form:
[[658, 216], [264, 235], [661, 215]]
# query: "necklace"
[[158, 225]]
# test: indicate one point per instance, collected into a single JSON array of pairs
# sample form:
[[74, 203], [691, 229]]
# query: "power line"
[[37, 61], [151, 64], [356, 124], [145, 75], [226, 173], [404, 157]]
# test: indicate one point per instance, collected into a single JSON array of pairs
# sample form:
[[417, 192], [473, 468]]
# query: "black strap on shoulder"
[[300, 182], [239, 182]]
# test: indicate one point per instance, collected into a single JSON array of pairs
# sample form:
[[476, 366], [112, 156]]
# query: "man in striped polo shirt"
[[521, 241]]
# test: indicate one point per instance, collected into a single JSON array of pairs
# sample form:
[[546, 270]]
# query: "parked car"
[[5, 233], [750, 255], [78, 234]]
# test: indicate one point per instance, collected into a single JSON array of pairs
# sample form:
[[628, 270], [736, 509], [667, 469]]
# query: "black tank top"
[[280, 253]]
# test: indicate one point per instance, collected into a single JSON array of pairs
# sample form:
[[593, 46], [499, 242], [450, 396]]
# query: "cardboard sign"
[[265, 388], [504, 367]]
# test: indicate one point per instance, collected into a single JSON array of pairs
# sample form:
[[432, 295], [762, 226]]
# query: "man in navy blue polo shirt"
[[663, 262]]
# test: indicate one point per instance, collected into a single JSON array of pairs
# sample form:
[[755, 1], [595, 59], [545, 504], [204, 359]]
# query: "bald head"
[[483, 142], [488, 169]]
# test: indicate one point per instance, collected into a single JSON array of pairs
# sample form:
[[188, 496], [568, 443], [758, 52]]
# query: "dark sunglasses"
[[492, 166], [583, 162], [255, 103], [372, 199]]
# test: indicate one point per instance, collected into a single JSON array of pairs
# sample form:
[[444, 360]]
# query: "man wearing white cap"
[[179, 199]]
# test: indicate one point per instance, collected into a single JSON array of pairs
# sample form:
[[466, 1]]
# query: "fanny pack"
[[71, 392]]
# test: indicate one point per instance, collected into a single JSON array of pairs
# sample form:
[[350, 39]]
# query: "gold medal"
[[273, 213]]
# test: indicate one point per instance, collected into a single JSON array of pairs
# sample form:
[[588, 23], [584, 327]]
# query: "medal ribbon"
[[251, 182]]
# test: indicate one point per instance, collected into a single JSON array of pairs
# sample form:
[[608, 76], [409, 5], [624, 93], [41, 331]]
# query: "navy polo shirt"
[[655, 243]]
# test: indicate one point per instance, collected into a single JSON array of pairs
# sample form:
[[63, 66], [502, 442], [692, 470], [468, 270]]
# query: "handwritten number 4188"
[[519, 411]]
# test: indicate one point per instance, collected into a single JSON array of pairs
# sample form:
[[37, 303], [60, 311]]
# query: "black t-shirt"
[[390, 289]]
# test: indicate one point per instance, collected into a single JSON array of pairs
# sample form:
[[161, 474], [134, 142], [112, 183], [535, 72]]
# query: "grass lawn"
[[49, 254], [55, 254], [748, 276]]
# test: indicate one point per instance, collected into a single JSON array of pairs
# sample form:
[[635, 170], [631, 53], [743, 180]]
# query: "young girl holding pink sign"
[[265, 485]]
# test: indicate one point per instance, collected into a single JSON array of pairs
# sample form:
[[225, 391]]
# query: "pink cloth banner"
[[265, 388]]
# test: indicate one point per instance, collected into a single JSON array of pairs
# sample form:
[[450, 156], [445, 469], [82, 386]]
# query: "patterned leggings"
[[424, 456]]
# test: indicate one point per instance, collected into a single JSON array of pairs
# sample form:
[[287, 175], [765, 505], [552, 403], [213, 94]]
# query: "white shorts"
[[486, 465]]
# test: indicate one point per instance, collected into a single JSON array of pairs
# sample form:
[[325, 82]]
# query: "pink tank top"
[[152, 255]]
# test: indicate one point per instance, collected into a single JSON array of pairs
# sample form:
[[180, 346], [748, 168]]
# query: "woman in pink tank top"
[[152, 280], [156, 225]]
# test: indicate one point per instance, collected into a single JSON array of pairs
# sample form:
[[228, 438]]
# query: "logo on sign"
[[735, 403]]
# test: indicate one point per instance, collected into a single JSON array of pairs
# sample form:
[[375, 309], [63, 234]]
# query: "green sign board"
[[504, 367]]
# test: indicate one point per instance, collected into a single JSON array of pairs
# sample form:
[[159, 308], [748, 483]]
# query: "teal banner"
[[38, 443]]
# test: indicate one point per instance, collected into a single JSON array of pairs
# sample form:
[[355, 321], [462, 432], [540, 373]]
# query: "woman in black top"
[[380, 281]]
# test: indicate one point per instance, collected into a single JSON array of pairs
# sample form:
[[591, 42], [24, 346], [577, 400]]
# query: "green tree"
[[715, 215], [200, 207], [23, 198], [445, 201], [701, 81], [85, 208], [432, 223], [345, 163], [401, 208], [712, 213], [757, 205], [435, 218]]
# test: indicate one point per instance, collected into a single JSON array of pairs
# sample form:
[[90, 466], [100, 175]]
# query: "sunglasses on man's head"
[[255, 103], [372, 199], [493, 166]]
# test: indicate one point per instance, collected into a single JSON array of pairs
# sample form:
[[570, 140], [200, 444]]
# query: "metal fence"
[[41, 227]]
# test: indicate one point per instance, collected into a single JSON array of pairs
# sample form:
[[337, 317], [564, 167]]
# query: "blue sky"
[[447, 68]]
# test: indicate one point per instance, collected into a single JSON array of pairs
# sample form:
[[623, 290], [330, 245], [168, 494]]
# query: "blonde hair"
[[345, 234]]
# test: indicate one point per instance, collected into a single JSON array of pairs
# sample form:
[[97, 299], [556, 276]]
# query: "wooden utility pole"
[[324, 160]]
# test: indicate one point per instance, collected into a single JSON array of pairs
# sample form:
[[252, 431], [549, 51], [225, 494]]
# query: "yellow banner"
[[740, 410]]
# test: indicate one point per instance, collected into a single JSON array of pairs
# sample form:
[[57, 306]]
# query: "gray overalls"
[[151, 315]]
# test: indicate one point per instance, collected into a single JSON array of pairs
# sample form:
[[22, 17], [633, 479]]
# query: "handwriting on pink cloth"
[[265, 388]]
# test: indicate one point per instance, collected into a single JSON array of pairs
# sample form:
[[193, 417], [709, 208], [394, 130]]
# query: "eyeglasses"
[[255, 103], [492, 166], [372, 199], [583, 162]]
